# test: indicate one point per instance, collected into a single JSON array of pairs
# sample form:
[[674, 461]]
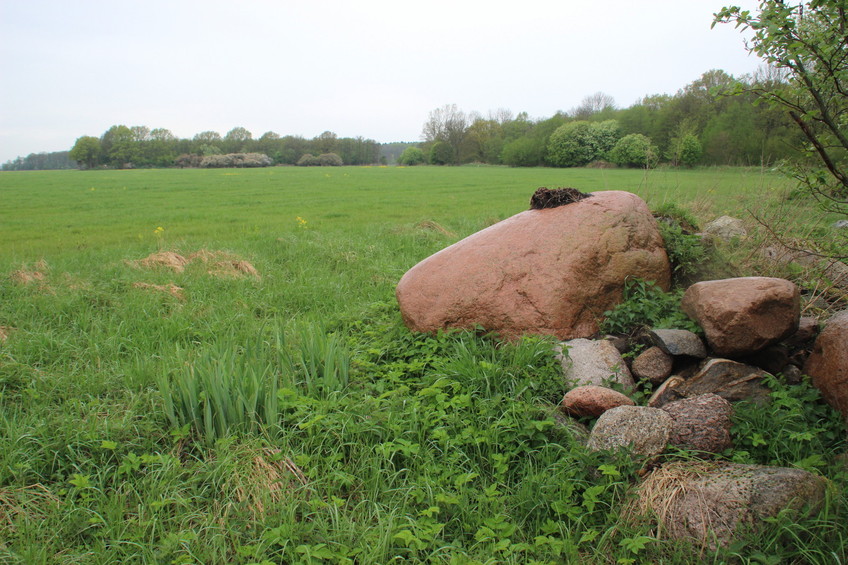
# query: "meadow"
[[262, 402]]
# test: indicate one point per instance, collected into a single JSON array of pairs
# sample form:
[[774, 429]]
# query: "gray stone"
[[730, 380], [710, 502], [588, 362], [840, 224], [645, 430], [726, 228], [679, 342], [792, 374]]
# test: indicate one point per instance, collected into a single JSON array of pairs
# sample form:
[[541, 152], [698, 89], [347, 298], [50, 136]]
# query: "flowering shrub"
[[323, 160], [236, 160]]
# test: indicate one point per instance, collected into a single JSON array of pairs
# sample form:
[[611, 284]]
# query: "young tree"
[[411, 156], [634, 150], [447, 124], [86, 151], [808, 41]]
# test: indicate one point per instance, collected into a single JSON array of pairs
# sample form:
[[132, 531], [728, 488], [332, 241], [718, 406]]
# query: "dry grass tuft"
[[662, 494], [430, 225], [269, 478], [167, 259], [170, 288], [30, 503], [234, 269], [4, 332], [24, 276]]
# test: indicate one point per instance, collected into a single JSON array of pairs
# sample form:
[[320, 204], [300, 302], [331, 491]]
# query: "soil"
[[555, 197]]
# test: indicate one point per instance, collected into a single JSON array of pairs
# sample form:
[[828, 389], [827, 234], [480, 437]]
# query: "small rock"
[[730, 380], [743, 315], [792, 374], [771, 359], [679, 342], [666, 392], [575, 429], [726, 228], [592, 401], [620, 343], [701, 423], [653, 364], [645, 430], [840, 224], [808, 327], [709, 502], [589, 362], [828, 363]]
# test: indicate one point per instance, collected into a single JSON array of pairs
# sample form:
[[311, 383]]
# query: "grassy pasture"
[[365, 444]]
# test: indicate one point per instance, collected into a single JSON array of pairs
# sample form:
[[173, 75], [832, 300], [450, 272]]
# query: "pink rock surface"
[[828, 363], [553, 271], [592, 401], [743, 315]]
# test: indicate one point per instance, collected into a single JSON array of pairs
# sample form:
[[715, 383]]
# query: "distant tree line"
[[700, 124], [139, 146], [41, 162]]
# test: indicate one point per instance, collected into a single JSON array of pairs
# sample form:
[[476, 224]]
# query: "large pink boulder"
[[828, 363], [552, 271], [743, 315]]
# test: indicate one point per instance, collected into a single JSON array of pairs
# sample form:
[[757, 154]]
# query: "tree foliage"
[[634, 150], [411, 156], [809, 42], [579, 143], [86, 151], [442, 153]]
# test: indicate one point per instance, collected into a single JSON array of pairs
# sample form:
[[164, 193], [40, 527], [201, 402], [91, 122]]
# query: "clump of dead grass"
[[233, 269], [170, 288], [661, 495], [31, 503], [430, 225], [163, 259], [224, 264], [269, 477]]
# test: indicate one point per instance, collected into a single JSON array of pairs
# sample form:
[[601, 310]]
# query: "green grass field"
[[287, 416]]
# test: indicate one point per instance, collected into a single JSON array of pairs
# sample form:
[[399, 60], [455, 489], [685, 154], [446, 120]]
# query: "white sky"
[[373, 68]]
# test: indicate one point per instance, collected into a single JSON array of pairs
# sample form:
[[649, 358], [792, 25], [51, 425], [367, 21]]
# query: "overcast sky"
[[373, 68]]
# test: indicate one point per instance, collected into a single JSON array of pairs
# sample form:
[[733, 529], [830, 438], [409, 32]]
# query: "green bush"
[[686, 252], [523, 152], [571, 145], [634, 150], [307, 160], [645, 305], [330, 160], [441, 153], [411, 156], [575, 144]]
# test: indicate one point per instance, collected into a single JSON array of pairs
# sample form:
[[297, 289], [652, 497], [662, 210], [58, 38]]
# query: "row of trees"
[[41, 162], [139, 146], [700, 124]]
